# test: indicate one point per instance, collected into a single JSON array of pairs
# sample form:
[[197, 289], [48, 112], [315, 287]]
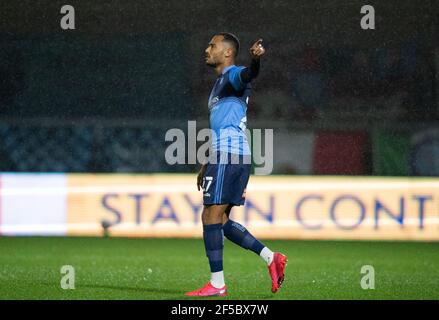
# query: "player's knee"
[[211, 215], [205, 215]]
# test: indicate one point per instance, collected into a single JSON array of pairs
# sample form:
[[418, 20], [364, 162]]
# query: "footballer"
[[224, 177]]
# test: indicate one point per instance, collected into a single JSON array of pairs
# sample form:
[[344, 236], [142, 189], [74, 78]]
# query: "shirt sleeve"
[[250, 73], [235, 78]]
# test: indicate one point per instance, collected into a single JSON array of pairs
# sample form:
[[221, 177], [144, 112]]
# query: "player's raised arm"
[[256, 51]]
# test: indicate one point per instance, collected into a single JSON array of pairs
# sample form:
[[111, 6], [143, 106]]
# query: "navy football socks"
[[214, 244], [238, 234]]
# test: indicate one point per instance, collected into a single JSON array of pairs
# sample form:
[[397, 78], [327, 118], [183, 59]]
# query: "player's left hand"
[[200, 177], [257, 50]]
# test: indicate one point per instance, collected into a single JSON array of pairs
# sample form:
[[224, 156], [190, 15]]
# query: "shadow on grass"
[[157, 291], [131, 289], [80, 286]]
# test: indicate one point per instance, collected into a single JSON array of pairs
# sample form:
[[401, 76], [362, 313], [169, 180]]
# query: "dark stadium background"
[[342, 101], [100, 98]]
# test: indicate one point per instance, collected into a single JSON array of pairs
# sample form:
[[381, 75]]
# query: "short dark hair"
[[232, 39]]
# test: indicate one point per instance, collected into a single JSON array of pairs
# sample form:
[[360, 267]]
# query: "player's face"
[[215, 51]]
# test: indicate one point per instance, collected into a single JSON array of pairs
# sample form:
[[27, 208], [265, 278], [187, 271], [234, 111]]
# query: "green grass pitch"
[[119, 268]]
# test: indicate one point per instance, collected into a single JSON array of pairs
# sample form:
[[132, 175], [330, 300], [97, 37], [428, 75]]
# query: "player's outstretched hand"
[[257, 50], [200, 177]]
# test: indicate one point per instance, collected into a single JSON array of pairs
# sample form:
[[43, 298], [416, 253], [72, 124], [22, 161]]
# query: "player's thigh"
[[213, 214]]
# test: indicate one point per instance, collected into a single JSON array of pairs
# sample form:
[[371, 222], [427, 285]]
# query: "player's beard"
[[211, 62]]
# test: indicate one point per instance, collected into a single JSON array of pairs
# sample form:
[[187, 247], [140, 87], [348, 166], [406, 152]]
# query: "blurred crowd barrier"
[[279, 207], [130, 146], [81, 147]]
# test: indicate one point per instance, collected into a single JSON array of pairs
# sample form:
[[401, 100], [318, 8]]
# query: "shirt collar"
[[227, 68]]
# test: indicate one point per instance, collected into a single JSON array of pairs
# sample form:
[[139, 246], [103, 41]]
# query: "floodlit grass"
[[119, 268]]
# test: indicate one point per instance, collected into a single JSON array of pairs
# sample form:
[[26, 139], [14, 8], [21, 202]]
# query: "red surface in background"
[[340, 153]]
